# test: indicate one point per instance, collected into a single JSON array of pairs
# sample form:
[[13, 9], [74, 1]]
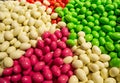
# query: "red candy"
[[40, 44], [63, 79], [16, 78], [65, 31], [47, 73], [61, 44], [65, 68], [53, 37], [17, 69], [38, 52], [37, 77], [67, 52], [38, 66], [48, 57], [53, 45], [58, 34], [8, 71], [33, 59], [47, 41], [46, 35], [26, 79], [2, 80], [57, 53], [29, 52], [58, 61], [56, 70]]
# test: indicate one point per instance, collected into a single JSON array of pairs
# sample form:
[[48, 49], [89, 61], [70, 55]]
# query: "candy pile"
[[99, 19], [37, 47]]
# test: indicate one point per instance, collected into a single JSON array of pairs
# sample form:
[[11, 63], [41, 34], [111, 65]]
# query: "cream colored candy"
[[100, 64], [52, 28], [94, 57], [93, 67], [31, 21], [8, 62], [33, 34], [2, 15], [73, 79], [16, 54], [17, 44], [77, 64], [79, 51], [21, 19], [14, 16], [4, 46], [49, 11], [13, 41], [74, 48], [2, 26], [81, 34], [90, 81], [75, 57], [110, 80], [114, 71], [7, 21], [1, 71], [23, 38], [97, 78], [61, 23], [8, 35], [67, 59], [46, 2], [14, 24], [118, 77], [104, 73], [3, 55], [86, 46], [104, 57], [26, 29], [25, 46], [7, 27], [10, 49], [38, 23], [89, 52], [33, 43], [35, 14], [80, 74], [17, 31], [81, 40], [96, 50], [54, 16], [106, 64], [84, 58], [2, 37], [86, 70]]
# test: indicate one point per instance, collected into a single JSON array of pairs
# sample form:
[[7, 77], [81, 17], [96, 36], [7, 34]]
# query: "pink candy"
[[56, 70], [37, 77], [17, 69], [38, 66], [63, 79], [8, 71], [57, 53], [29, 52], [58, 34], [26, 79], [67, 52], [16, 78]]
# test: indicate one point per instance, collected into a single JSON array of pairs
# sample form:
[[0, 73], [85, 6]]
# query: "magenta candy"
[[16, 62], [50, 63], [61, 44], [46, 34], [33, 60], [53, 37], [53, 45], [27, 72], [16, 78], [58, 34], [47, 74], [67, 52], [65, 31], [64, 39], [48, 82], [63, 79], [46, 49], [69, 73], [48, 57], [31, 73], [38, 52], [65, 68], [37, 77], [56, 70], [7, 78], [25, 63], [47, 41], [57, 53], [3, 80], [38, 66], [7, 71], [29, 52], [58, 61], [26, 79], [17, 69], [40, 44]]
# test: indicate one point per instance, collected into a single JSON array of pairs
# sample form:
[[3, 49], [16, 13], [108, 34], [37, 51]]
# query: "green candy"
[[77, 10], [72, 31], [70, 25], [117, 47], [72, 2], [111, 12], [69, 5], [95, 41], [93, 6], [74, 20], [115, 62], [115, 36], [87, 30], [111, 17], [112, 23], [83, 10], [72, 10], [80, 4], [96, 28], [65, 10], [117, 29], [58, 9], [88, 37], [102, 40], [87, 4], [78, 28], [61, 13], [117, 12], [101, 33], [109, 7], [88, 13], [104, 20], [108, 39], [103, 50], [118, 54], [96, 16], [90, 18], [118, 20], [90, 24], [109, 46], [96, 22], [68, 18], [113, 55], [74, 14], [70, 42], [107, 28], [84, 22], [80, 17], [100, 8], [95, 34], [72, 36], [105, 14]]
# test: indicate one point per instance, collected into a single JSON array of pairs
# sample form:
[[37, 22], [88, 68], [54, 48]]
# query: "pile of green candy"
[[99, 19]]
